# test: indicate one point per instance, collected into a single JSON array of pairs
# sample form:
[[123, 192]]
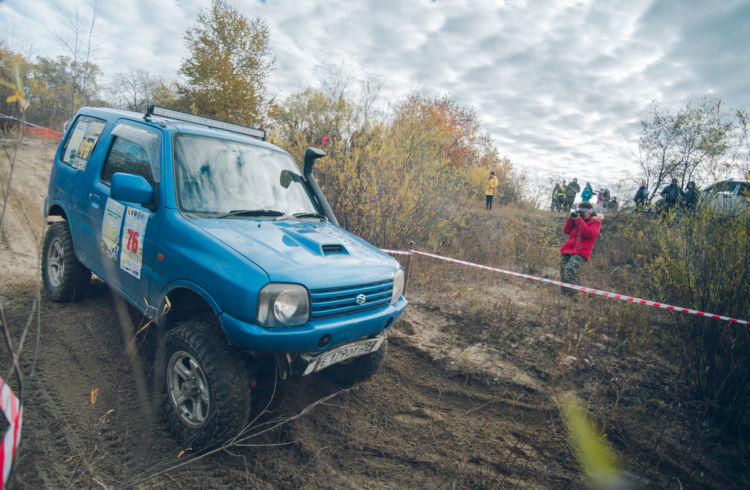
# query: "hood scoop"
[[313, 242], [332, 249]]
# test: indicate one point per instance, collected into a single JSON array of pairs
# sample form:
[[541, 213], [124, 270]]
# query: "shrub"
[[704, 263]]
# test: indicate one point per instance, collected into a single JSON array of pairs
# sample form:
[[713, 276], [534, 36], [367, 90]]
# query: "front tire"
[[204, 384], [358, 369], [65, 278]]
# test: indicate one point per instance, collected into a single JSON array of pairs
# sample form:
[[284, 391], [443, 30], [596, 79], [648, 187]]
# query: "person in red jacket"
[[583, 227]]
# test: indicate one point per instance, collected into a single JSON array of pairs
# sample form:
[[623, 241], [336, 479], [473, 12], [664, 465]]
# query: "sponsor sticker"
[[111, 224], [82, 142]]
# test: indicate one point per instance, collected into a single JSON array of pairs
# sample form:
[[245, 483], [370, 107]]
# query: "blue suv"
[[233, 251]]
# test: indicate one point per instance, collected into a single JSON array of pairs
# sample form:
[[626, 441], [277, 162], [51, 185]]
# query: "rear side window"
[[134, 151], [81, 141]]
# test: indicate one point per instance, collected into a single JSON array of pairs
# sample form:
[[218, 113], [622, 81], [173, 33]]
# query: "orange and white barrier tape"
[[34, 129], [11, 407], [395, 252], [607, 294]]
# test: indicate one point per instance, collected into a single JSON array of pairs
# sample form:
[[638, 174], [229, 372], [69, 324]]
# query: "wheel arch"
[[184, 301], [56, 209]]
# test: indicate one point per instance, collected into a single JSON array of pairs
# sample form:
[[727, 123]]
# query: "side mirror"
[[131, 188]]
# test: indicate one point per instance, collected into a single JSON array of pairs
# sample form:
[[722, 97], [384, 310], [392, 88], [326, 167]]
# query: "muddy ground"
[[452, 407]]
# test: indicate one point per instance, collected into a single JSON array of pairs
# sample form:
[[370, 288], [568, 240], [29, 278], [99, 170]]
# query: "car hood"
[[316, 254]]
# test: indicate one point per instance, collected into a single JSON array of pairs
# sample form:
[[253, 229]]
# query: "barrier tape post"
[[606, 294], [408, 266]]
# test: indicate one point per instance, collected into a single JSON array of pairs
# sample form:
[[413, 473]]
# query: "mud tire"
[[194, 359], [65, 278], [358, 369]]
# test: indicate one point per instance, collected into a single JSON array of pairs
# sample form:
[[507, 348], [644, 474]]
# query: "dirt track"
[[445, 411]]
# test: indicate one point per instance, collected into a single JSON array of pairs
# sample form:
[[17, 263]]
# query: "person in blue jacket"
[[587, 193]]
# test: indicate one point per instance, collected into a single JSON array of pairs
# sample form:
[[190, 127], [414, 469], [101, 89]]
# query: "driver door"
[[126, 234]]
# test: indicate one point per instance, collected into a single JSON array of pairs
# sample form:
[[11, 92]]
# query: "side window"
[[81, 141], [133, 151], [745, 190], [723, 187]]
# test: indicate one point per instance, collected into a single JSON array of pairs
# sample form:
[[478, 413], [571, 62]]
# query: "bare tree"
[[78, 39], [739, 161], [135, 89], [656, 140], [683, 143], [370, 89]]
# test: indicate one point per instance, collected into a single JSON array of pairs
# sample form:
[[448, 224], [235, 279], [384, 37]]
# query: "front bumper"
[[315, 335]]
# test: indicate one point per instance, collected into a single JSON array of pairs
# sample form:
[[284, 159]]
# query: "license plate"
[[344, 353]]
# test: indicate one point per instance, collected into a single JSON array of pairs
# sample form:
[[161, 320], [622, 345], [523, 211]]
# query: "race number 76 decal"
[[132, 241], [131, 256]]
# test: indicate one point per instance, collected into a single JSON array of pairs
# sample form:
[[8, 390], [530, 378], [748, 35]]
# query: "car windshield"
[[227, 178]]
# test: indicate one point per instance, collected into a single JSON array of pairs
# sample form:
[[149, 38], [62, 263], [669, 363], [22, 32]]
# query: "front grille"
[[343, 301]]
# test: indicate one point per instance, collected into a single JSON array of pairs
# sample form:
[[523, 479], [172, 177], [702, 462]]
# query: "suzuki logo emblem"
[[361, 299]]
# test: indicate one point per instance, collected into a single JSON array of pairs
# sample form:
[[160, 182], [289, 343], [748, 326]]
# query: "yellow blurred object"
[[593, 452]]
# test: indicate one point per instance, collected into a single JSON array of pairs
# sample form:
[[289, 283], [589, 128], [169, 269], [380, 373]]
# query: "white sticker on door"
[[131, 256], [111, 224]]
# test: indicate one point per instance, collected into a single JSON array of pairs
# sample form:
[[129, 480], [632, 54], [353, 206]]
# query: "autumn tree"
[[395, 178], [50, 84], [455, 126], [225, 73], [10, 62], [307, 117]]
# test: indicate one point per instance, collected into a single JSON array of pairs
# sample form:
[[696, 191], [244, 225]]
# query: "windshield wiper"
[[309, 215], [251, 212]]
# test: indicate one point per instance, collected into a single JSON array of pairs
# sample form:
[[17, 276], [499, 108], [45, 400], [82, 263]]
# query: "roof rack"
[[155, 110]]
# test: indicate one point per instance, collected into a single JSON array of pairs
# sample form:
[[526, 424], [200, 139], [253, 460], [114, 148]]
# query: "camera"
[[574, 214]]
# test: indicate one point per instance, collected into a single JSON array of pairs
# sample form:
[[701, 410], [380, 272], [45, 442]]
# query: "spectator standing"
[[672, 195], [587, 193], [641, 196], [489, 190], [613, 204], [570, 193], [599, 198], [582, 228], [555, 195], [561, 196], [605, 198], [691, 196]]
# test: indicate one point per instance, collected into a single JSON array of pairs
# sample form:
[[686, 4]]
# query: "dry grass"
[[620, 358]]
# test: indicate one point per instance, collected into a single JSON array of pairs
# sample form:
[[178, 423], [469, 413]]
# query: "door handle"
[[95, 199]]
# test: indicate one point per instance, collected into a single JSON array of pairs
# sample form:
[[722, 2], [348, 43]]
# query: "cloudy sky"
[[559, 85]]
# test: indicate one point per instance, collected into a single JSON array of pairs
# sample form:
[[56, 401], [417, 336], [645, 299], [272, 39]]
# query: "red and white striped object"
[[395, 252], [13, 411], [584, 289]]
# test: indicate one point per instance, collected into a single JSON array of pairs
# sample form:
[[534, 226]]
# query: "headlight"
[[398, 285], [283, 305]]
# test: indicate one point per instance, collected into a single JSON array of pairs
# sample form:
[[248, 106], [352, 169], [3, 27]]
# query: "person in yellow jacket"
[[489, 191]]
